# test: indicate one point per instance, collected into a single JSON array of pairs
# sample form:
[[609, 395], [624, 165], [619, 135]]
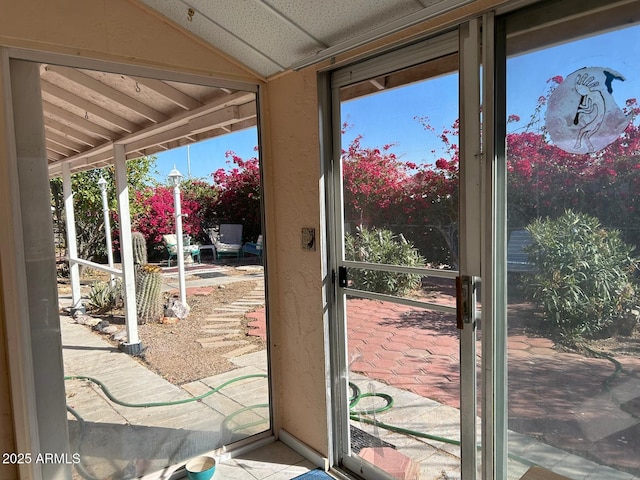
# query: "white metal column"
[[470, 233], [494, 403], [39, 265], [72, 245], [133, 344], [14, 284]]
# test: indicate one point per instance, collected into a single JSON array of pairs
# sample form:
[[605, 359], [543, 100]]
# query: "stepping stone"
[[239, 351], [215, 330], [224, 319], [213, 325], [217, 343]]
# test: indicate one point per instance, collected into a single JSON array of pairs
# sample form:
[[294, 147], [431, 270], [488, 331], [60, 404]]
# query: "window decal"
[[582, 115]]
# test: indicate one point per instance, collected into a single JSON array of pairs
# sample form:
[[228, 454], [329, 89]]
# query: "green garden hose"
[[81, 468], [354, 399], [161, 404]]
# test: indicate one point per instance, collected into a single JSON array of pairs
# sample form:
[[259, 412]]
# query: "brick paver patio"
[[564, 399]]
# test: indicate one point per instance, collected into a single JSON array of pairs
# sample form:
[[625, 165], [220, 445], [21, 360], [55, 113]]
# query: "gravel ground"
[[172, 350]]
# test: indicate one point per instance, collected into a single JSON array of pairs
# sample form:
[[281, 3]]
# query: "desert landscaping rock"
[[119, 336]]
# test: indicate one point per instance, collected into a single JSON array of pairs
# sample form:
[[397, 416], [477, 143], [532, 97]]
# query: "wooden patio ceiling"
[[86, 112]]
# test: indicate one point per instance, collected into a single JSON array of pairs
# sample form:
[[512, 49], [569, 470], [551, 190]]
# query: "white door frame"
[[464, 40]]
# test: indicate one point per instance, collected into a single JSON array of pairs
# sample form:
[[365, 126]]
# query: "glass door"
[[573, 183], [400, 368]]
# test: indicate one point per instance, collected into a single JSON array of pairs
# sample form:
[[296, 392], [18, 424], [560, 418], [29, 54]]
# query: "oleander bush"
[[584, 277], [382, 246]]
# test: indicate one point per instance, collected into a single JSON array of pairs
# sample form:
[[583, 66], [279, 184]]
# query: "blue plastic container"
[[201, 468]]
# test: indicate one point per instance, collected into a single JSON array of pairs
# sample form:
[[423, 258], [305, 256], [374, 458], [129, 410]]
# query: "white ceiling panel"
[[215, 35], [269, 36], [257, 24], [334, 21]]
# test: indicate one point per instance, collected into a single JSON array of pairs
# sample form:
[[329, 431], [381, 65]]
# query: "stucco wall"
[[118, 30], [294, 177]]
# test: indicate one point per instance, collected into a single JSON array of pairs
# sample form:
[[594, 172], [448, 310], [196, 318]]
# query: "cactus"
[[139, 248], [149, 305]]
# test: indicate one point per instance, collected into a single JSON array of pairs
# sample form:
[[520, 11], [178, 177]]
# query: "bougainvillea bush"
[[234, 197], [238, 198], [156, 214], [419, 201]]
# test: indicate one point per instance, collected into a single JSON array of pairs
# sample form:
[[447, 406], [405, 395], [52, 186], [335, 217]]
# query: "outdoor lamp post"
[[102, 183], [175, 177]]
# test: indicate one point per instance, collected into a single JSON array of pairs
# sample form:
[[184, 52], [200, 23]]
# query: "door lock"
[[465, 300], [343, 279]]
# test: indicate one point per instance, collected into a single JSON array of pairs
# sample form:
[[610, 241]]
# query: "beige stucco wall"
[[293, 179]]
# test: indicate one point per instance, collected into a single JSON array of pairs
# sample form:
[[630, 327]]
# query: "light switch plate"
[[309, 239]]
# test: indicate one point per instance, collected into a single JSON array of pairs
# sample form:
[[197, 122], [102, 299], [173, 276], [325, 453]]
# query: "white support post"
[[38, 265], [72, 243], [175, 178], [133, 345], [180, 245], [107, 224]]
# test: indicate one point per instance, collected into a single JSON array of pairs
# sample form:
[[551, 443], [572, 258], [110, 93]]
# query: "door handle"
[[465, 300], [343, 279]]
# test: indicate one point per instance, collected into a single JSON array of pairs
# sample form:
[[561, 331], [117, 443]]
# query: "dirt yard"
[[172, 349]]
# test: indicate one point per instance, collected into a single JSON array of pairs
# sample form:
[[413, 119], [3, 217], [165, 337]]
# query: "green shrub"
[[104, 297], [583, 279], [381, 246]]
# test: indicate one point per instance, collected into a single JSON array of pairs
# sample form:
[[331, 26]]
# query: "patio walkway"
[[568, 402], [123, 441], [564, 401]]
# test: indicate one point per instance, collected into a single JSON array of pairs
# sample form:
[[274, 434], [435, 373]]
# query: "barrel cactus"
[[149, 304], [139, 248]]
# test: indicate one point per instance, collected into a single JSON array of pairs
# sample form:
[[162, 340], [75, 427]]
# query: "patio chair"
[[212, 233], [171, 244], [253, 248], [229, 240]]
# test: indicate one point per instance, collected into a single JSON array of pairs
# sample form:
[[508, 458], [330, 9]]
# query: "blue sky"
[[207, 156], [389, 117]]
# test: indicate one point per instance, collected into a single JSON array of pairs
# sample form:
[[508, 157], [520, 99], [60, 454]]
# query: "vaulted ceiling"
[[272, 36], [86, 111]]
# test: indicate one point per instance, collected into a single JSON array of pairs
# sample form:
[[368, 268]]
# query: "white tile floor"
[[274, 461]]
